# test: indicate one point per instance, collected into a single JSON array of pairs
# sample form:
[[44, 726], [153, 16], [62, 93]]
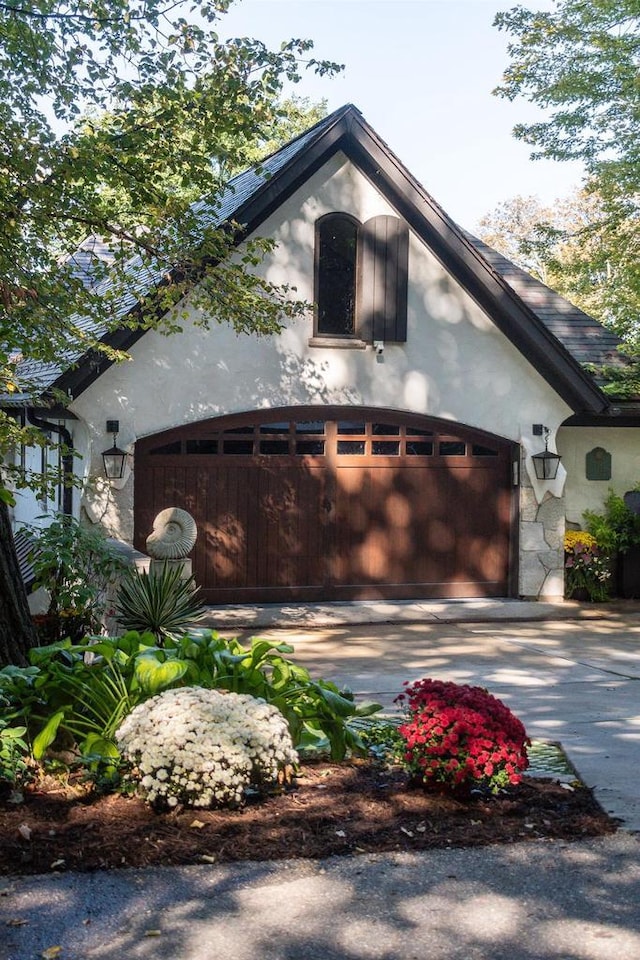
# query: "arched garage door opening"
[[335, 503]]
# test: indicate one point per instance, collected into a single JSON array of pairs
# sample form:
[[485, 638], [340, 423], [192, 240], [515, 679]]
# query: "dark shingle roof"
[[585, 338]]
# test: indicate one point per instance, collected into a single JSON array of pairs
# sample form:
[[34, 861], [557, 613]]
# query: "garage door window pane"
[[419, 448], [274, 428], [238, 447], [384, 430], [386, 448], [311, 448], [452, 448], [348, 427], [247, 429], [208, 445], [310, 426], [274, 447], [351, 447], [479, 451], [169, 448]]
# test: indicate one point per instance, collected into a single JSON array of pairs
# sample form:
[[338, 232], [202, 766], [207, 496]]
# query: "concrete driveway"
[[572, 681]]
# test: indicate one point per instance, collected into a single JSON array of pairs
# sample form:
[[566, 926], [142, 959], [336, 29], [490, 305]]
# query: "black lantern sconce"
[[114, 458], [545, 464]]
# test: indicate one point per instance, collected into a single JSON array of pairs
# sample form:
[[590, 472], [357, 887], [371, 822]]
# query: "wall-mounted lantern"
[[546, 463], [114, 458]]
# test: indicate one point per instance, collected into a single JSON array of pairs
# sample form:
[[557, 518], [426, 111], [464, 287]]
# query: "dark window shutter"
[[383, 279]]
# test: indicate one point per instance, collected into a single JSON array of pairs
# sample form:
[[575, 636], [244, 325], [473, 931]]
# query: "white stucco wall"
[[455, 364], [623, 443]]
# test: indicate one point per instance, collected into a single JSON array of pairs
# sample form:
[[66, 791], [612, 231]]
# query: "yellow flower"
[[573, 537]]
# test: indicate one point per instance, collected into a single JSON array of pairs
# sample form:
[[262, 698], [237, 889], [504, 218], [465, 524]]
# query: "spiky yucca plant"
[[164, 603]]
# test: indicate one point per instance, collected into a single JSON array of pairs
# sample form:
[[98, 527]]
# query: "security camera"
[[378, 346]]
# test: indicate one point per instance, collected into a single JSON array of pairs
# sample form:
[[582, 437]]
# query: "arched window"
[[336, 249]]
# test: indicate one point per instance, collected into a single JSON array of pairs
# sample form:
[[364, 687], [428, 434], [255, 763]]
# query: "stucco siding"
[[455, 364], [574, 443]]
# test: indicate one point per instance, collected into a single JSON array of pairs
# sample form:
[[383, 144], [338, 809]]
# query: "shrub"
[[204, 748], [381, 738], [460, 736], [321, 717], [164, 603], [76, 565], [617, 528], [585, 566]]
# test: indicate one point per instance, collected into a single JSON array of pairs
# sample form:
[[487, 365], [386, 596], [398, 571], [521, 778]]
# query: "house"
[[383, 445]]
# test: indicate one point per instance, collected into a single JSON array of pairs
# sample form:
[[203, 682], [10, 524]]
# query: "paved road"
[[546, 901]]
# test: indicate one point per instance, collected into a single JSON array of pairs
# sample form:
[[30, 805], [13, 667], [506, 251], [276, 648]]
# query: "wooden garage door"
[[334, 503]]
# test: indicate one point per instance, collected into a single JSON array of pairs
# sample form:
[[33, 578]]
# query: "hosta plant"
[[322, 718], [13, 752], [205, 748], [458, 736], [162, 602], [76, 696]]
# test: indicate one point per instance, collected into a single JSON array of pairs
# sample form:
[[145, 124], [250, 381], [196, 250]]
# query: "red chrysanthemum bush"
[[457, 737]]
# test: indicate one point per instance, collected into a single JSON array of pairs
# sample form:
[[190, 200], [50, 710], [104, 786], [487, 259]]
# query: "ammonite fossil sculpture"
[[174, 535]]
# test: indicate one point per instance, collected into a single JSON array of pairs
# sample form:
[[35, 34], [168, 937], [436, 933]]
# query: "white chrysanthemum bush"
[[205, 748]]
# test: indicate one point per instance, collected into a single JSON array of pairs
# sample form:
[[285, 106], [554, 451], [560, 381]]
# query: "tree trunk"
[[17, 633]]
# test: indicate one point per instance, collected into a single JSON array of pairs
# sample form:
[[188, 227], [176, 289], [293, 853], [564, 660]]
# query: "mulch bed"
[[354, 807]]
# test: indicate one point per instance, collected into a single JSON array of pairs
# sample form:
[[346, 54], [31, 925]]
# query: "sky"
[[421, 72]]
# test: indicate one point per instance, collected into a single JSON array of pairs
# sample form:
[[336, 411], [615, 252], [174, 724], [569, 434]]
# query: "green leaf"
[[154, 676], [94, 745], [47, 735], [7, 497], [39, 655], [338, 704], [367, 708]]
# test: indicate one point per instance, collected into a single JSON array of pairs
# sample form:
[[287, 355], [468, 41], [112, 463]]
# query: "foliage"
[[113, 121], [520, 229], [114, 117], [321, 717], [586, 566], [76, 565], [13, 750], [381, 738], [578, 62], [617, 528], [576, 249], [78, 695], [204, 748], [459, 736], [163, 603]]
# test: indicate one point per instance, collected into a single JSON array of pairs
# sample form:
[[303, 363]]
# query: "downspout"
[[67, 458]]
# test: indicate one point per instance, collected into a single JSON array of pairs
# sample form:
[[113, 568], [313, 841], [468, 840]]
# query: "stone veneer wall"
[[542, 527]]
